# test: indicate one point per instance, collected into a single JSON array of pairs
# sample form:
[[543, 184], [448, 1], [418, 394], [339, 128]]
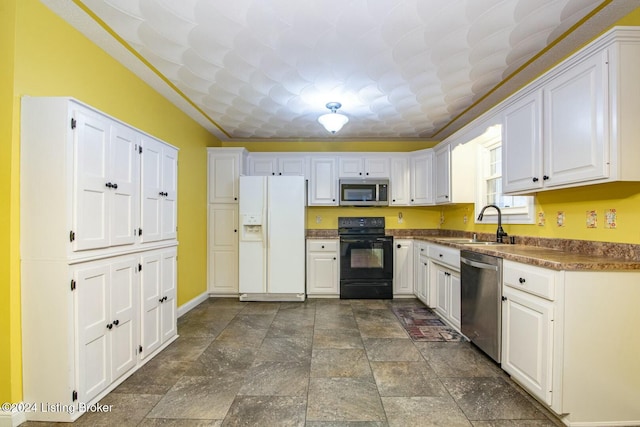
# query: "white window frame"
[[491, 139]]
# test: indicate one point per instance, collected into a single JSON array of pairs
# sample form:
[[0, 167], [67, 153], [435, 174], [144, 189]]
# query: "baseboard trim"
[[12, 419], [189, 305]]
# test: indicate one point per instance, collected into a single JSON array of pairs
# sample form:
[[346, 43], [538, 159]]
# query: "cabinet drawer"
[[322, 245], [527, 278], [445, 255]]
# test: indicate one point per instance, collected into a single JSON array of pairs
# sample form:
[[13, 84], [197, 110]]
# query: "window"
[[515, 209]]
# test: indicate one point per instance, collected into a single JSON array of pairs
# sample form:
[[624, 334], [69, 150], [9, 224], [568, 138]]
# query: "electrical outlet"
[[400, 218], [318, 219]]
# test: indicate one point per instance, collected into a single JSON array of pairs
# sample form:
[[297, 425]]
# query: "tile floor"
[[325, 362]]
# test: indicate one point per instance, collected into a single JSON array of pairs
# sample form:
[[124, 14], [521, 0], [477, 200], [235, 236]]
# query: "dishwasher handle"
[[479, 264]]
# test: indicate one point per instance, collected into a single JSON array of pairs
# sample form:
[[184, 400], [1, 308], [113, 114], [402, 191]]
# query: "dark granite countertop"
[[555, 254]]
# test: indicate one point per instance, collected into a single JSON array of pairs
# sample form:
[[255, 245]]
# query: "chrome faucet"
[[500, 234]]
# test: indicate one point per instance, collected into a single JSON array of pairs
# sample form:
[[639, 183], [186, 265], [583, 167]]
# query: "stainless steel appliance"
[[366, 258], [481, 301], [364, 192]]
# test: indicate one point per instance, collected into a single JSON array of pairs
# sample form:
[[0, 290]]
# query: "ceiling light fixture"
[[333, 121]]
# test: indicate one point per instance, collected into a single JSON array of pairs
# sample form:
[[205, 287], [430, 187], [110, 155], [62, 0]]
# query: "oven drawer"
[[322, 245], [444, 255]]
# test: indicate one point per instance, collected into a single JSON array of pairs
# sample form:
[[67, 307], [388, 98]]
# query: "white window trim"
[[487, 141]]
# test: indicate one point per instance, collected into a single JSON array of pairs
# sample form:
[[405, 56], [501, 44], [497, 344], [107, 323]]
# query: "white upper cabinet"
[[159, 188], [369, 166], [442, 173], [399, 181], [576, 125], [106, 176], [323, 184], [224, 168], [263, 164], [522, 143], [421, 177]]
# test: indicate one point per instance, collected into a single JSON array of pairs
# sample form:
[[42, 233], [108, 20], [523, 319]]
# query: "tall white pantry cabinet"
[[98, 215]]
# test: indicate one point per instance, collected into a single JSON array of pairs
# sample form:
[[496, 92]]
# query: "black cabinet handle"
[[116, 322], [359, 173], [235, 198], [393, 200], [165, 297], [534, 179], [161, 300], [115, 186], [109, 326], [322, 246], [367, 173], [545, 177], [521, 280], [334, 258], [504, 298], [235, 231], [161, 194], [108, 185], [440, 255], [399, 246]]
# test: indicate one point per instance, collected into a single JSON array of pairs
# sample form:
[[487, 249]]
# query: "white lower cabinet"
[[323, 268], [444, 283], [527, 341], [159, 310], [222, 246], [107, 324], [403, 267], [567, 340], [421, 272]]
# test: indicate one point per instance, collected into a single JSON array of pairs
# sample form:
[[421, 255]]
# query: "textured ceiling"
[[264, 69]]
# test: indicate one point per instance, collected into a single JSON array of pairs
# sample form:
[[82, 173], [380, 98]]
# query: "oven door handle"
[[479, 264], [376, 239]]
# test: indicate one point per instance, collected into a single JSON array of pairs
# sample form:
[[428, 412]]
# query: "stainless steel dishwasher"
[[481, 301]]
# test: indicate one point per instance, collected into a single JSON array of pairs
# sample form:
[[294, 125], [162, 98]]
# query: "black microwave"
[[364, 192]]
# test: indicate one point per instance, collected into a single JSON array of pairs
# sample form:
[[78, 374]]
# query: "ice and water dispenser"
[[251, 228]]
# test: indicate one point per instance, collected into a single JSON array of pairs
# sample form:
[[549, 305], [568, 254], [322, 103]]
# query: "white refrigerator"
[[272, 238]]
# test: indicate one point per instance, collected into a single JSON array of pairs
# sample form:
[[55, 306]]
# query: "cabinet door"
[[350, 167], [152, 191], [422, 178], [292, 166], [223, 248], [322, 273], [169, 201], [124, 308], [522, 144], [168, 290], [403, 267], [93, 317], [527, 333], [399, 181], [224, 171], [323, 184], [576, 111], [92, 182], [151, 309], [263, 166], [442, 175], [376, 167], [455, 295], [442, 290], [124, 167]]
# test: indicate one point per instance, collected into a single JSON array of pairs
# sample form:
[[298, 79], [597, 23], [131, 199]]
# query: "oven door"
[[366, 258]]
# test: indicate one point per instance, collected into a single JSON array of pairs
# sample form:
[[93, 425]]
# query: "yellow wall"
[[42, 55]]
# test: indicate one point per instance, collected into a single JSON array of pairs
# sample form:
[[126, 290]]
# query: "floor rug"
[[423, 324]]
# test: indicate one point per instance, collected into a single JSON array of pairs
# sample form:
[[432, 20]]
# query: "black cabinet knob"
[[235, 198], [521, 280], [393, 200], [359, 173], [161, 300], [367, 173], [440, 255], [115, 186], [334, 258], [235, 231], [116, 322], [545, 177], [504, 298], [322, 246], [399, 246], [534, 179], [109, 326]]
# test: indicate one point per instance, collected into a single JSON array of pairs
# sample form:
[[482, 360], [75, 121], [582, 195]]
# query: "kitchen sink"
[[482, 243]]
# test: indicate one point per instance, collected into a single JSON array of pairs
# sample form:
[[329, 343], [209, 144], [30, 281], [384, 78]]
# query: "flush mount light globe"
[[333, 121]]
